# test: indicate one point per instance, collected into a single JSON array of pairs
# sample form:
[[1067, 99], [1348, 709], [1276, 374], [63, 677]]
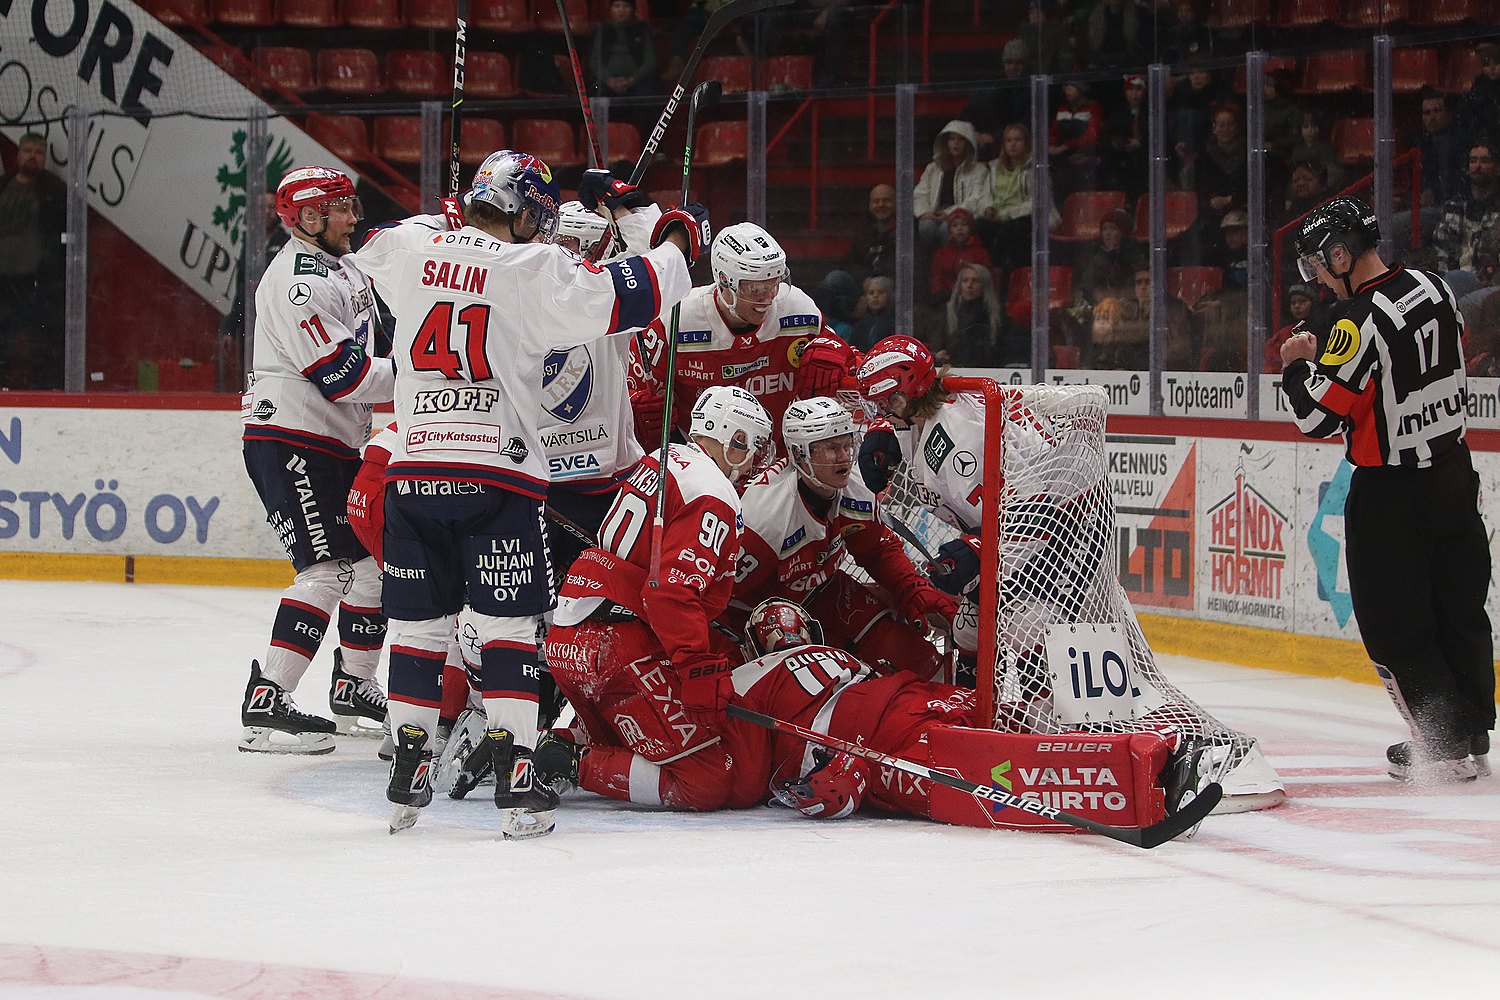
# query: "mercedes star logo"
[[964, 463], [299, 294]]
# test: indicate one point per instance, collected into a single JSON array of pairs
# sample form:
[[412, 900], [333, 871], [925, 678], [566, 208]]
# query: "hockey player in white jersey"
[[478, 311], [306, 413]]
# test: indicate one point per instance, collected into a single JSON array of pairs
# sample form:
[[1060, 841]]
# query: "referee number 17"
[[1427, 346]]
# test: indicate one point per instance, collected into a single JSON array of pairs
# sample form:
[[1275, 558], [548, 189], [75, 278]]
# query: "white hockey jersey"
[[477, 319], [314, 383]]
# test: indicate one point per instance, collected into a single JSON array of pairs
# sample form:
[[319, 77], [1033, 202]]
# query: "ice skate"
[[453, 760], [409, 789], [1479, 750], [526, 807], [357, 703], [274, 725], [1405, 763], [1187, 771], [556, 763]]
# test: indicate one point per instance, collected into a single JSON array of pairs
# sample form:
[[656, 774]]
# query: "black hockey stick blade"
[[907, 535], [707, 94], [717, 22], [1152, 836]]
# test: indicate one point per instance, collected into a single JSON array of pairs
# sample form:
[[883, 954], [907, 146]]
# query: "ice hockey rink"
[[142, 856]]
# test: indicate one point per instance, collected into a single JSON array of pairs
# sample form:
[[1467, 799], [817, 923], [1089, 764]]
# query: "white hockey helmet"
[[734, 418], [808, 421], [746, 252], [588, 228]]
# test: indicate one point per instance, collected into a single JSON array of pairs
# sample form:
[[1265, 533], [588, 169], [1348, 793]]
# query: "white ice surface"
[[141, 857]]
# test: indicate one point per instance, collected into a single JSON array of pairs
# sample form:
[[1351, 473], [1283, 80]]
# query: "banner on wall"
[[1154, 481], [173, 183], [128, 482], [1246, 492]]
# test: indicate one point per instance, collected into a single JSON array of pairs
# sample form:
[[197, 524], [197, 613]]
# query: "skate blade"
[[1482, 765], [387, 751], [466, 735], [404, 817], [519, 824], [256, 739], [358, 725]]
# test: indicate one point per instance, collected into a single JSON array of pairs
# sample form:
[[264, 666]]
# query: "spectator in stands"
[[1108, 266], [1479, 109], [1217, 170], [1222, 317], [33, 217], [1179, 347], [992, 110], [1481, 310], [1445, 157], [1282, 117], [232, 325], [975, 329], [1315, 147], [879, 319], [962, 247], [1005, 225], [1466, 219], [1114, 35], [955, 177], [1074, 141], [1232, 250], [1117, 339], [1191, 106], [623, 55], [1306, 189], [1128, 137], [1300, 300], [871, 252], [1049, 43], [536, 69], [1187, 38]]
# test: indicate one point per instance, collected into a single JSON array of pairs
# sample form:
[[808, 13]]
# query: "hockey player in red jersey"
[[1122, 780], [746, 329], [632, 653], [802, 515]]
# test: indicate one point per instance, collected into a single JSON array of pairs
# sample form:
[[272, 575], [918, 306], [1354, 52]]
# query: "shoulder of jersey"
[[773, 472], [697, 475], [796, 313]]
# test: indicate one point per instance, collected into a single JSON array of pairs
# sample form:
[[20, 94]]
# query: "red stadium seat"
[[734, 72], [1335, 72], [398, 138], [1192, 283], [349, 71], [1238, 13], [544, 17], [549, 139], [787, 73], [1354, 139], [381, 14], [510, 16], [488, 74], [1445, 13], [1273, 64], [1460, 67], [244, 13], [1082, 212], [721, 143], [1181, 211], [438, 15], [345, 136], [1018, 295], [176, 12], [1413, 69], [419, 73], [287, 67], [1305, 13], [624, 142], [232, 61], [1372, 13], [481, 137], [308, 13]]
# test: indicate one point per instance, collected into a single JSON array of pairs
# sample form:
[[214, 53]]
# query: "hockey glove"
[[650, 409], [879, 454], [956, 571], [453, 213], [918, 599], [824, 366], [600, 186], [692, 219], [706, 686]]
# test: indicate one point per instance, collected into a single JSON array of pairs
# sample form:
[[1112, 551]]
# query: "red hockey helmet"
[[896, 364], [313, 187], [777, 624], [832, 788]]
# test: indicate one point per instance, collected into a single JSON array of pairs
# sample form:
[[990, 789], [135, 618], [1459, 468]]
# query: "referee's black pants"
[[1419, 571]]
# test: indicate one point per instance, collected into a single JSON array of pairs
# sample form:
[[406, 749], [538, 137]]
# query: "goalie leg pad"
[[1111, 779]]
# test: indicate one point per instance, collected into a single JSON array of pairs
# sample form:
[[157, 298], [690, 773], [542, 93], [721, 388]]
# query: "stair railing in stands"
[[809, 106]]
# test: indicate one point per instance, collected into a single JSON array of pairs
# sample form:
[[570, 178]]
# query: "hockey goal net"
[[1056, 641]]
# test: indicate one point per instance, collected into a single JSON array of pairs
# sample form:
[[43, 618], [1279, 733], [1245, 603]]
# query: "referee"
[[1390, 378]]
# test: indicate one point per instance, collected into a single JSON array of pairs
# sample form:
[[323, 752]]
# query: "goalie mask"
[[521, 186], [736, 420], [819, 435], [778, 624], [577, 224], [832, 788], [749, 267], [896, 365]]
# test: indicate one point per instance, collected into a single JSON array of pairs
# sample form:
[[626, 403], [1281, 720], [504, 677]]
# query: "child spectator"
[[1316, 148], [879, 320], [1300, 299], [963, 247], [1073, 141], [1108, 267]]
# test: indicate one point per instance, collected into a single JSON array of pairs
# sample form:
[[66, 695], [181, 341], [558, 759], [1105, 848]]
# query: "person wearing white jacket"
[[954, 178]]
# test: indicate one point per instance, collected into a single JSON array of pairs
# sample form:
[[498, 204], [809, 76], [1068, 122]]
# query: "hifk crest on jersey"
[[567, 382]]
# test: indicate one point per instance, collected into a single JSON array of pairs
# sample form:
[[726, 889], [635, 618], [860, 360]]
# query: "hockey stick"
[[706, 93], [596, 155], [716, 23], [460, 48], [1155, 835], [907, 535]]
